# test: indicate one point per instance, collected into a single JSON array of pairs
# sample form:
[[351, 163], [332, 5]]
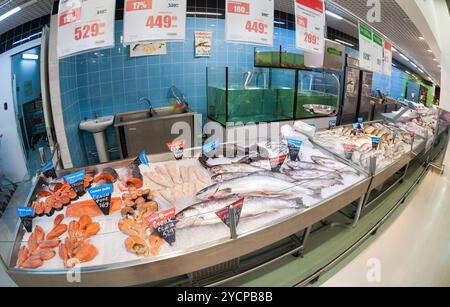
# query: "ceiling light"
[[404, 57], [421, 38], [204, 13], [9, 13], [329, 13], [27, 38], [439, 66], [435, 60], [413, 64], [30, 56], [420, 69], [344, 42], [279, 22], [430, 51]]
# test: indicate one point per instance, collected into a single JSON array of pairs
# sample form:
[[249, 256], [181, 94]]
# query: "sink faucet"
[[149, 102]]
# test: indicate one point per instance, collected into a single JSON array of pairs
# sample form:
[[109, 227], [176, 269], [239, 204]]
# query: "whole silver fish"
[[333, 164], [255, 185], [204, 213], [308, 166], [228, 176], [320, 183], [235, 168], [310, 174]]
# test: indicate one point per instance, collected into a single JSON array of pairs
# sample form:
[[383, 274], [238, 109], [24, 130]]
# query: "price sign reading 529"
[[89, 30]]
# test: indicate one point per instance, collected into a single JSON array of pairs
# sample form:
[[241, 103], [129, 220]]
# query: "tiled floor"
[[414, 250]]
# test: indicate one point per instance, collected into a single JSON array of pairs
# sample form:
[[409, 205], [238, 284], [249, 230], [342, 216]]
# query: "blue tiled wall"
[[108, 81], [71, 109]]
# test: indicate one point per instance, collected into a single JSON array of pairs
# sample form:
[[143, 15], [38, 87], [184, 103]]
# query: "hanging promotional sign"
[[310, 25], [365, 48], [85, 25], [377, 64], [150, 20], [203, 42], [387, 58], [250, 21]]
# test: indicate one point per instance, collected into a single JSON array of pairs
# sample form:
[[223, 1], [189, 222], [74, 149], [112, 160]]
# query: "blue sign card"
[[76, 181], [360, 120], [394, 136], [141, 159], [356, 126], [167, 231], [375, 143], [210, 147], [26, 216], [48, 170], [102, 197], [294, 146], [312, 125], [332, 124]]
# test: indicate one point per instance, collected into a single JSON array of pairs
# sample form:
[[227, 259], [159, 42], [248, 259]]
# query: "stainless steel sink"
[[150, 131]]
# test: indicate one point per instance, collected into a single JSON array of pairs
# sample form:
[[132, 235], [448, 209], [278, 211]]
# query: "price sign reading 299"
[[250, 21], [85, 25], [149, 20]]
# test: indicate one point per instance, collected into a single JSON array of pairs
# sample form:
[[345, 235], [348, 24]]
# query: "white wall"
[[432, 19], [12, 155]]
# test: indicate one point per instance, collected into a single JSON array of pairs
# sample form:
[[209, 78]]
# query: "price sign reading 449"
[[250, 21], [154, 20], [84, 25]]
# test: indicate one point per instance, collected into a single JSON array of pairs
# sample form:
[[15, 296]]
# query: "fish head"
[[216, 169], [218, 178], [208, 192]]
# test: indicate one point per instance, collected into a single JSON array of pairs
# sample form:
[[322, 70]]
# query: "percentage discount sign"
[[237, 7], [138, 5], [70, 16]]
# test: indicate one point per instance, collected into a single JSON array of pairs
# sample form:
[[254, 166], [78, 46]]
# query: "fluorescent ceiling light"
[[421, 38], [420, 69], [430, 51], [27, 38], [435, 60], [439, 66], [413, 64], [9, 13], [329, 13], [278, 22], [204, 13], [344, 42], [404, 57], [29, 56]]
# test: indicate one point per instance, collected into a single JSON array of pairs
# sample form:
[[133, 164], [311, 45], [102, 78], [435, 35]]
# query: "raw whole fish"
[[255, 185], [204, 213], [333, 164], [310, 174], [227, 176], [320, 183]]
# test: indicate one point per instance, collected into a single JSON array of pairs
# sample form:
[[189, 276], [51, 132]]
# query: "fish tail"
[[298, 203], [203, 162]]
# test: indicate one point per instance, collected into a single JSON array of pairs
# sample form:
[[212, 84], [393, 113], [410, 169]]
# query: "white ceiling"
[[31, 12], [395, 26]]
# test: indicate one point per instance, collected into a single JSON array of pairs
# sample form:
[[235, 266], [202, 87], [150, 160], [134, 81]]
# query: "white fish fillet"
[[184, 174], [174, 173], [160, 180]]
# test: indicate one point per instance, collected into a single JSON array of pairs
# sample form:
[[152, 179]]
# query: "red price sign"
[[156, 219], [138, 5], [161, 22], [236, 7], [89, 30], [70, 16], [255, 26], [311, 38]]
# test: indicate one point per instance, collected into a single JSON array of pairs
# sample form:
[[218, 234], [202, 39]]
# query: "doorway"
[[28, 106]]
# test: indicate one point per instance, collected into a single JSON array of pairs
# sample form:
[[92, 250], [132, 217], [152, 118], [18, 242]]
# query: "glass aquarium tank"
[[250, 96], [318, 94]]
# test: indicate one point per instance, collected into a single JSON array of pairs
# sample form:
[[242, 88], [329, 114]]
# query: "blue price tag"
[[376, 140], [360, 120], [356, 126], [24, 211], [76, 181], [211, 146], [143, 158], [48, 170], [102, 197], [332, 123], [294, 142]]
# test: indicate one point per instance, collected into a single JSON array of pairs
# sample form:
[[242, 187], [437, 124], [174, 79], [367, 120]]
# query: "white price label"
[[310, 25], [377, 64], [387, 58], [250, 21], [154, 20], [365, 48], [85, 25]]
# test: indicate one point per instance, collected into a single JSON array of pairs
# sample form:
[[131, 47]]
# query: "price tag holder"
[[250, 21], [375, 143], [360, 120], [141, 159], [154, 20], [48, 170], [332, 124], [26, 216], [164, 224], [224, 215], [294, 146], [277, 162], [310, 25], [85, 25], [177, 148], [102, 197], [76, 181], [209, 149]]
